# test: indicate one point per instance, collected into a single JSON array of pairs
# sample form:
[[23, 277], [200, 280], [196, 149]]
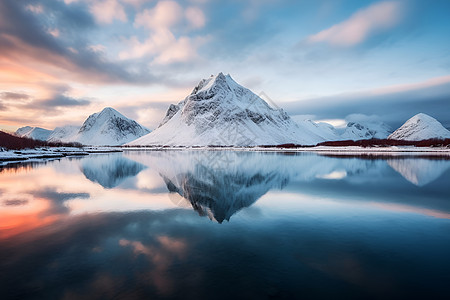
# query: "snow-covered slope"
[[325, 130], [359, 131], [420, 127], [219, 111], [35, 133], [109, 127], [63, 134]]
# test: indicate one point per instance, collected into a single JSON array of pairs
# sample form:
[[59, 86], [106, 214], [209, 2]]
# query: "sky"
[[332, 60]]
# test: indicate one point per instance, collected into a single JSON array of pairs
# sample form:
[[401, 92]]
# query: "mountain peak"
[[109, 111], [219, 111], [109, 127], [215, 82], [422, 117], [420, 127]]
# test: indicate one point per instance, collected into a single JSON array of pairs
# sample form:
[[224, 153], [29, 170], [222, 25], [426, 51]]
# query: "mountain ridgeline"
[[221, 112]]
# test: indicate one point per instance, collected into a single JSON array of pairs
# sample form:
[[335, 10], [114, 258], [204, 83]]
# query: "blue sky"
[[62, 60]]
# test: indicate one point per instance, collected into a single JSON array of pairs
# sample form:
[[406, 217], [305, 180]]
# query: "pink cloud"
[[107, 11], [164, 15], [432, 82], [363, 23], [164, 47], [162, 44], [195, 17]]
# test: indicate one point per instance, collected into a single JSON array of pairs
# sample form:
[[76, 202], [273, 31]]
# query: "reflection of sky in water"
[[298, 225]]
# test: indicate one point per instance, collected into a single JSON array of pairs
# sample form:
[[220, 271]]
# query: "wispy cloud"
[[14, 96], [361, 25], [63, 101]]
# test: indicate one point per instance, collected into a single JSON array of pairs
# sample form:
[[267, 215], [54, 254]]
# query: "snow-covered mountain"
[[36, 133], [219, 111], [365, 131], [420, 127], [64, 133], [325, 130], [108, 127], [105, 128]]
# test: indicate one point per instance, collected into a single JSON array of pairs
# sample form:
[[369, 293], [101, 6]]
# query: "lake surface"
[[225, 225]]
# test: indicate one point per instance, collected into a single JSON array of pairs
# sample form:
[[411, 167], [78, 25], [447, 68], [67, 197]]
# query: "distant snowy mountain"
[[420, 127], [219, 111], [365, 131], [325, 130], [64, 133], [108, 127], [35, 133]]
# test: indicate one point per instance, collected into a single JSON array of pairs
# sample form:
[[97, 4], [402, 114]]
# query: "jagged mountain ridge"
[[420, 127], [221, 112]]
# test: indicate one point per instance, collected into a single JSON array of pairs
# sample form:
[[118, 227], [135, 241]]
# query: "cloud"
[[163, 16], [37, 9], [64, 101], [25, 38], [363, 118], [14, 96], [394, 104], [162, 44], [24, 102], [163, 47], [15, 202], [357, 29], [11, 98], [107, 11], [195, 17], [136, 3]]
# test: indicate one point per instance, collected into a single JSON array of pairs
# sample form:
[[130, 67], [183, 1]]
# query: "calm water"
[[225, 225]]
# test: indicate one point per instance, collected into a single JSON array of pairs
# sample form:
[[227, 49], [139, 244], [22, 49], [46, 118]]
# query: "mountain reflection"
[[342, 222], [109, 170], [218, 184], [419, 171]]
